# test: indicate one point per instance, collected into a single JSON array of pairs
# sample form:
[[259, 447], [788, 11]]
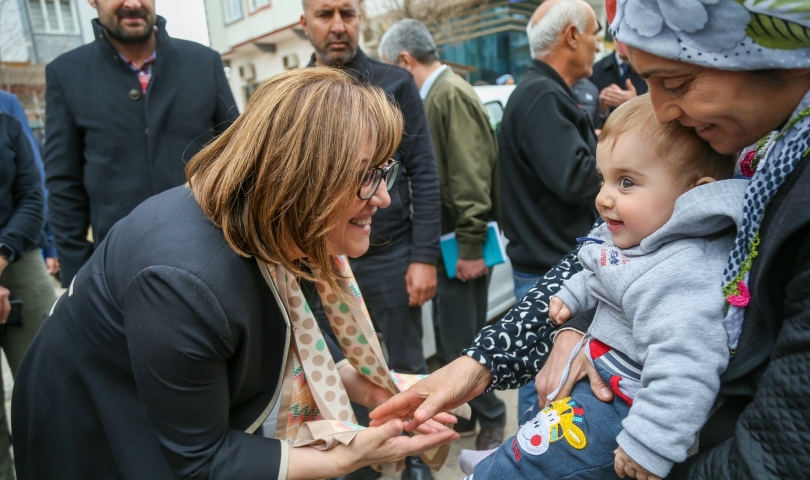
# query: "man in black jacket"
[[616, 80], [547, 148], [398, 274], [124, 114]]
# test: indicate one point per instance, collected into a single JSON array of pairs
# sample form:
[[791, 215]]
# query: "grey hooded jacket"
[[661, 303]]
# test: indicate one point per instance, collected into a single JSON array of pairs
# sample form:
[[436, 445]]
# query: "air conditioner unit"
[[247, 72], [290, 61]]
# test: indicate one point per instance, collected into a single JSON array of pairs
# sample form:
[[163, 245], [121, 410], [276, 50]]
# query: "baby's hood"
[[702, 211]]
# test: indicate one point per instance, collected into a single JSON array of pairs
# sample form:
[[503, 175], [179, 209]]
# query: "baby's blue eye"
[[626, 183]]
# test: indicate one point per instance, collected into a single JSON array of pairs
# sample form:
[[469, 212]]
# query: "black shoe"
[[489, 438], [464, 427], [365, 473], [416, 469]]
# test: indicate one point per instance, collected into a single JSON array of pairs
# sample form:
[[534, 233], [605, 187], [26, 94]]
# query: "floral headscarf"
[[734, 35], [725, 34]]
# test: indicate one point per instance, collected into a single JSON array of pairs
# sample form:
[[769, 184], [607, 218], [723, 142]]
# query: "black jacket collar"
[[163, 38], [546, 70], [358, 66]]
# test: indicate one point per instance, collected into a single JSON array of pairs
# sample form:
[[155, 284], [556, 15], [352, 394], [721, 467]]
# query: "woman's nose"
[[381, 199], [666, 110]]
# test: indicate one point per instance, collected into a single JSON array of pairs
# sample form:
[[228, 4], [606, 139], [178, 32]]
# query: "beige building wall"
[[257, 40]]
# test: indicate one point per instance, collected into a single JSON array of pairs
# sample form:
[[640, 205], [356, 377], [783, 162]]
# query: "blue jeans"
[[527, 395], [575, 443]]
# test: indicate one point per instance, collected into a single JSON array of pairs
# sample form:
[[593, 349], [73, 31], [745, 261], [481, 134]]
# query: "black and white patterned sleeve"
[[514, 349]]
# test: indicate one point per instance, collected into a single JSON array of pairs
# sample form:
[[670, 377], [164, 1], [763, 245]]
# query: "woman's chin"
[[354, 250]]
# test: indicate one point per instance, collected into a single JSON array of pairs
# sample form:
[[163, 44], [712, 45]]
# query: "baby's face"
[[638, 188]]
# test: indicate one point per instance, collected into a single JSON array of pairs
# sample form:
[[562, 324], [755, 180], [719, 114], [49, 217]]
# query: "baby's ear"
[[703, 181]]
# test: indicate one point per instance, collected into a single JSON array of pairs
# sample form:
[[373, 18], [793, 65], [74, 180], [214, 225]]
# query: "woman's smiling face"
[[729, 109], [351, 235]]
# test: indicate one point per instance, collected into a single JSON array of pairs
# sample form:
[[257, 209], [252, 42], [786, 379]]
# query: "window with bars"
[[53, 16], [255, 4], [233, 10]]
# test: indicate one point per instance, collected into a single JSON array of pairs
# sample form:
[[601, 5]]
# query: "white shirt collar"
[[429, 82], [619, 61]]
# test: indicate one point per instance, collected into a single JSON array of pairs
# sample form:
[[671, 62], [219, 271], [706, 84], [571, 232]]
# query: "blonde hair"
[[283, 174], [696, 158]]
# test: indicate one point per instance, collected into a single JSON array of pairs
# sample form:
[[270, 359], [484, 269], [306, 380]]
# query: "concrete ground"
[[450, 470]]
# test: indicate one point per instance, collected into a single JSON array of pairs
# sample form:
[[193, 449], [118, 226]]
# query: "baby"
[[654, 272]]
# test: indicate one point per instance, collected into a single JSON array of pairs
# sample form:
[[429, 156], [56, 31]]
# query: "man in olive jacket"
[[124, 114], [467, 154]]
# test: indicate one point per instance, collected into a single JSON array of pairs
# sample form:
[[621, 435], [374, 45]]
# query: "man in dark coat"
[[124, 114], [547, 149], [616, 80], [398, 274]]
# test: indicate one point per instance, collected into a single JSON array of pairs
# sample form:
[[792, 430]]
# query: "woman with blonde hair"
[[186, 327]]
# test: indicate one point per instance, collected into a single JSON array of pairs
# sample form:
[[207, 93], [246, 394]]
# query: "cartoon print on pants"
[[556, 421]]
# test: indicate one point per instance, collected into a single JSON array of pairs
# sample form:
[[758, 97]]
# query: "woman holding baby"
[[738, 73]]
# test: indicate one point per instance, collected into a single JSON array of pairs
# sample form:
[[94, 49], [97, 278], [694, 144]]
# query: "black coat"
[[166, 348], [607, 72], [414, 215], [109, 146], [22, 206], [546, 161], [762, 427]]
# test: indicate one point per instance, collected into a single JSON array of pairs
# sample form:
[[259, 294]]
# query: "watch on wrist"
[[7, 252]]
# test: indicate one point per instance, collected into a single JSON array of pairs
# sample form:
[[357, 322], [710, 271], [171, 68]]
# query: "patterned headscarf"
[[734, 35], [725, 34]]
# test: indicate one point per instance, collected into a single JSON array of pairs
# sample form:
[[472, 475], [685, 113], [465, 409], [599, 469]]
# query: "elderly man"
[[467, 152], [548, 146], [398, 274], [155, 102]]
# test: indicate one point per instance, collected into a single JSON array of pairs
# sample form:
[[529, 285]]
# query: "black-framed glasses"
[[375, 175]]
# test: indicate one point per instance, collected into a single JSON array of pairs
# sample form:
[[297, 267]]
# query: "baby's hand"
[[625, 465], [558, 312]]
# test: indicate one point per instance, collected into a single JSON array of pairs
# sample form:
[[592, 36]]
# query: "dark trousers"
[[381, 278], [459, 313], [577, 441], [27, 280]]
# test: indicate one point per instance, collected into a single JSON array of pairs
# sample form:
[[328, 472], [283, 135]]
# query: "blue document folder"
[[494, 253]]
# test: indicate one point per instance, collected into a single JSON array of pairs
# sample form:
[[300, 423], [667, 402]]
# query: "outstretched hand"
[[371, 446], [445, 389], [385, 444]]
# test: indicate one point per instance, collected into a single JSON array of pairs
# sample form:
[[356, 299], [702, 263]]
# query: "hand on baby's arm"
[[625, 466], [558, 312]]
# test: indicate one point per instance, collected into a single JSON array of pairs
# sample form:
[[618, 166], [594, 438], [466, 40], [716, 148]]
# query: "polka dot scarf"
[[315, 409], [770, 162]]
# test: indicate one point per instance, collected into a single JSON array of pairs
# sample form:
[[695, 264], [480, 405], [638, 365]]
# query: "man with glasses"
[[467, 154], [398, 274]]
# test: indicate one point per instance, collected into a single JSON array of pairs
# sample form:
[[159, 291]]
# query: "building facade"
[[32, 34], [257, 39], [482, 40]]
